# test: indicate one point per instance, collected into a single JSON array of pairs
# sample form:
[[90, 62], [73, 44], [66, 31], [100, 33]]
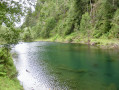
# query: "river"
[[60, 66]]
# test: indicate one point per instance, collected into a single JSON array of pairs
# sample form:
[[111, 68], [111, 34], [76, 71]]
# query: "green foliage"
[[48, 17], [8, 84], [7, 67], [85, 24], [49, 26], [115, 25], [8, 72], [9, 35], [8, 11], [95, 18], [26, 34]]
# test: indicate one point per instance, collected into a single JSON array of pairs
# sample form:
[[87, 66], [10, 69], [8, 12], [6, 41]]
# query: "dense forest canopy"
[[72, 20], [61, 18], [94, 18]]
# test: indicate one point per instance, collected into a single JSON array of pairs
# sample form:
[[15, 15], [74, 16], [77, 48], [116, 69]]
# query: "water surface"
[[58, 66]]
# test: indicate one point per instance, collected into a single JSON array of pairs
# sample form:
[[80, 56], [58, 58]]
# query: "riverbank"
[[8, 73], [103, 43], [9, 84]]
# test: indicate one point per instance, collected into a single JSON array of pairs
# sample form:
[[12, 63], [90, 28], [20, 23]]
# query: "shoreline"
[[99, 43], [8, 72]]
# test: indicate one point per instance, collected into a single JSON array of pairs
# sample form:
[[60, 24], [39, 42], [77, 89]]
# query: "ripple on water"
[[56, 66]]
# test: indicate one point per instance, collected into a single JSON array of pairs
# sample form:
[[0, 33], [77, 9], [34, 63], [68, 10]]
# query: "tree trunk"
[[91, 8], [113, 2], [87, 7]]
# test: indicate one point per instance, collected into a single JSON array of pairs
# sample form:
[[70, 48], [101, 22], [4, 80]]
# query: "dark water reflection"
[[57, 66]]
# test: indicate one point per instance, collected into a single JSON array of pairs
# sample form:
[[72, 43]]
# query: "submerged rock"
[[95, 65], [27, 71], [112, 86], [111, 60], [71, 70], [92, 73], [108, 74]]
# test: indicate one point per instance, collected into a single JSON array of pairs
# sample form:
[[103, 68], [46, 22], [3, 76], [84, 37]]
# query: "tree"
[[85, 22], [10, 12], [86, 25], [115, 25]]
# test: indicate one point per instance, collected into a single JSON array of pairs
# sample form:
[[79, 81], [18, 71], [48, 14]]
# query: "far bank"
[[103, 43]]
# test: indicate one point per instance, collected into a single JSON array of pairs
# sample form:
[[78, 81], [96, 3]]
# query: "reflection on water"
[[57, 66]]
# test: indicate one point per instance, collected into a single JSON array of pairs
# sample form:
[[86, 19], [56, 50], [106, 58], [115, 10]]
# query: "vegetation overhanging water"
[[92, 22]]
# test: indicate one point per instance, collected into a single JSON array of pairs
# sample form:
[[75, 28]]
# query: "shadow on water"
[[66, 66]]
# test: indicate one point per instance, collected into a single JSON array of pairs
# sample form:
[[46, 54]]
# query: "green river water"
[[58, 66]]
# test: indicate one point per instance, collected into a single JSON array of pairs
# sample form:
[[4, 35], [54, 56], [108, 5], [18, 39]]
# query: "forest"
[[74, 20], [92, 22]]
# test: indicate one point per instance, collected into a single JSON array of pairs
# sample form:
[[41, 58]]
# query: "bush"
[[7, 67], [9, 35]]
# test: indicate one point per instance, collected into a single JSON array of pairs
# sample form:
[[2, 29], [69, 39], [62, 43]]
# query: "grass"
[[104, 43], [9, 84]]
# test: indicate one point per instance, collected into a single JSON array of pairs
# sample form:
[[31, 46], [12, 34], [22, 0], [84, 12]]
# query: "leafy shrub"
[[6, 63], [9, 35]]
